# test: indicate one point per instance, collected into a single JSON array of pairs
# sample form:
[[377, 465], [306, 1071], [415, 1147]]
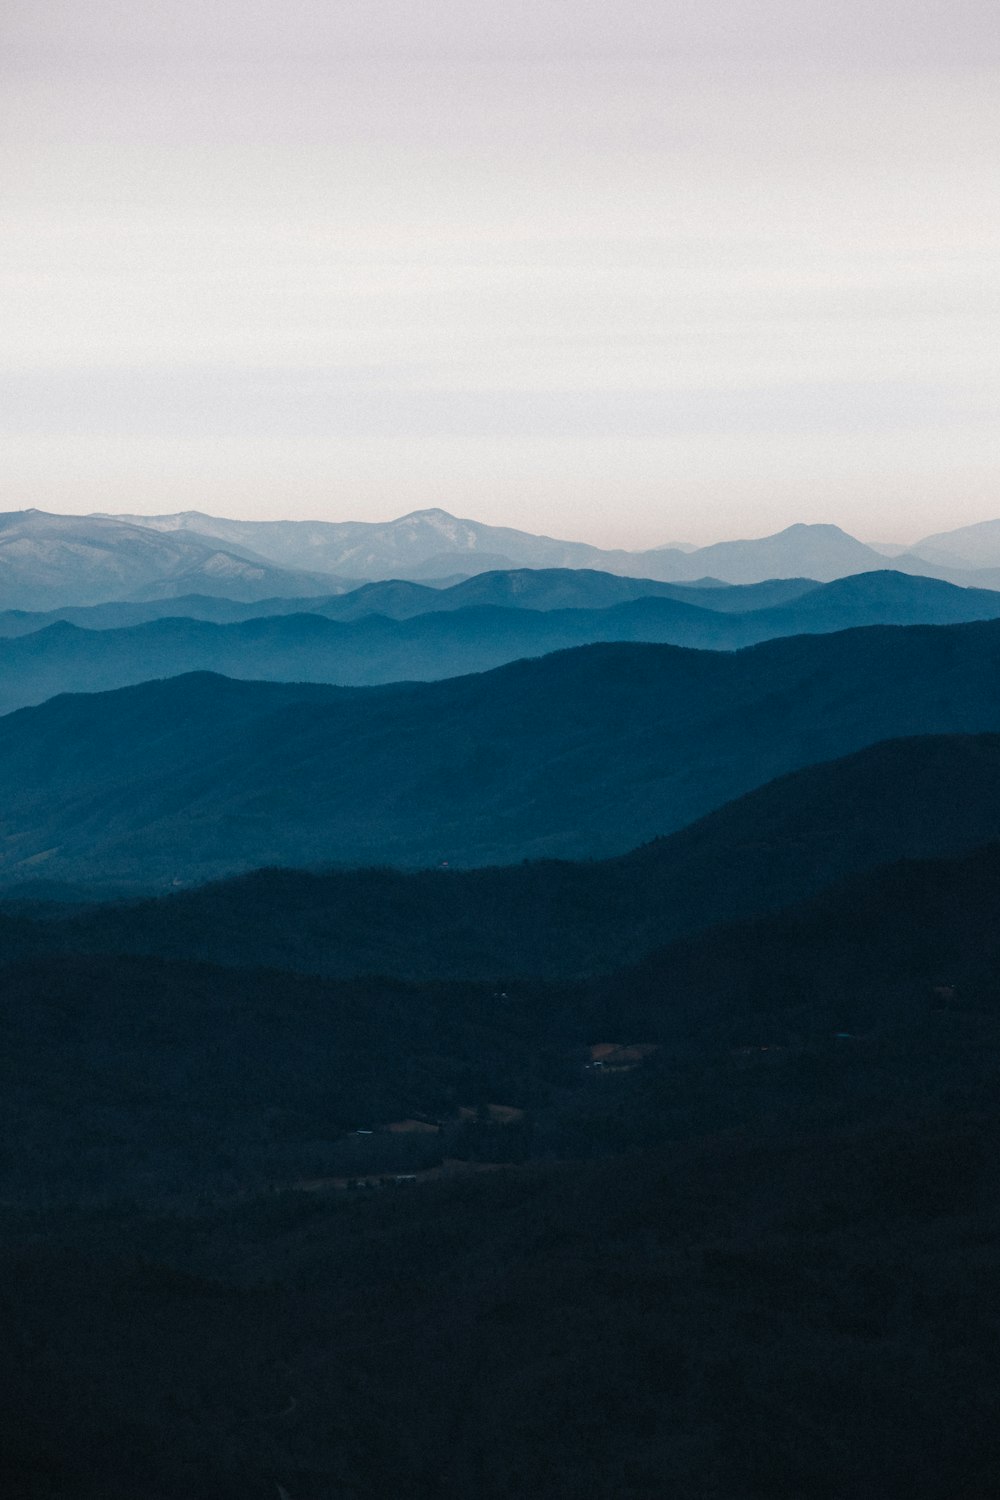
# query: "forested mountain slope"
[[906, 798], [581, 753], [761, 1263]]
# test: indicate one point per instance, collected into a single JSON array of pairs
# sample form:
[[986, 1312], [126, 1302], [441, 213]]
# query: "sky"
[[663, 270]]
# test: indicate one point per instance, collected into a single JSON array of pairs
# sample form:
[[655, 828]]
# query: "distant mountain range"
[[451, 638], [581, 753], [916, 798], [434, 544], [51, 561], [426, 543], [969, 547]]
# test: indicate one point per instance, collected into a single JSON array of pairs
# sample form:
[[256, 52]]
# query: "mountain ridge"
[[789, 840], [52, 560], [362, 649], [411, 543], [541, 588], [580, 753]]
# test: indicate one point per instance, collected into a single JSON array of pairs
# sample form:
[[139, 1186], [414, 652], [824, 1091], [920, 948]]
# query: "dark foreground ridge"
[[913, 798], [759, 1262]]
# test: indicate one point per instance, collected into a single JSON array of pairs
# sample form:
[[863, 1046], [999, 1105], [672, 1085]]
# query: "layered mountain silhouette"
[[552, 589], [916, 798], [399, 599], [50, 560], [119, 613], [448, 642], [579, 753], [682, 1096]]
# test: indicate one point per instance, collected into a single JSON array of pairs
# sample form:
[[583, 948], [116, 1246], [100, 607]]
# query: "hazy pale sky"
[[631, 272]]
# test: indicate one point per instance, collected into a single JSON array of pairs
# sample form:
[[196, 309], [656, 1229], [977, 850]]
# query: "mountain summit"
[[434, 544]]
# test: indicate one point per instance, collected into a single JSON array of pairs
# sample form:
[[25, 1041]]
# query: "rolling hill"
[[399, 599], [581, 753], [917, 798], [554, 589], [222, 1058], [451, 642]]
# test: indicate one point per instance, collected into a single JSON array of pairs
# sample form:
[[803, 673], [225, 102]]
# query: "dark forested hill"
[[912, 798], [913, 936], [581, 753], [760, 1264], [270, 1071]]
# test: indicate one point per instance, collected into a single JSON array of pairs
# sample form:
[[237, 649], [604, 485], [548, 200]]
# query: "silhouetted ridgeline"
[[51, 561], [432, 543], [446, 638], [906, 798], [587, 752], [521, 588]]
